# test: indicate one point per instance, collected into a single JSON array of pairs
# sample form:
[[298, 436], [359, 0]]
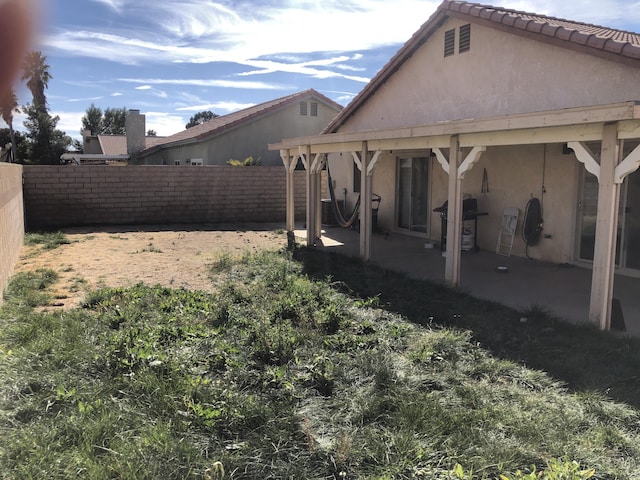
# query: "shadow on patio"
[[525, 285]]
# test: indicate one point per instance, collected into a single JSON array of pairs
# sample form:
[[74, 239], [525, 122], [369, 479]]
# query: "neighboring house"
[[502, 106], [245, 133], [113, 149]]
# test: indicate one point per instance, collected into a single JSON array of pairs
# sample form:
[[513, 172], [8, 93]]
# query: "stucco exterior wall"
[[515, 174], [61, 196], [502, 74], [11, 220], [251, 139]]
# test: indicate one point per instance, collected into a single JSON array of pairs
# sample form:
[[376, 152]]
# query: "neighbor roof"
[[117, 144], [615, 45], [223, 123]]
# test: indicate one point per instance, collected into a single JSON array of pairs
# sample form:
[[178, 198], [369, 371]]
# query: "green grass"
[[47, 240], [309, 366]]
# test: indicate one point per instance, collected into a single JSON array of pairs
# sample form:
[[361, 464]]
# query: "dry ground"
[[172, 256]]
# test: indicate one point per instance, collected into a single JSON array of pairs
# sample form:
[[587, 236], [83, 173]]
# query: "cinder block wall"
[[63, 196], [11, 220]]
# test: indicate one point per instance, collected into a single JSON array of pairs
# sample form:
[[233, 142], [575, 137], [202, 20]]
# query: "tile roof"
[[610, 40], [616, 45], [223, 123], [117, 144]]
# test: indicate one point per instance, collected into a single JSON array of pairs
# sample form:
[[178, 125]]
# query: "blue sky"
[[173, 58]]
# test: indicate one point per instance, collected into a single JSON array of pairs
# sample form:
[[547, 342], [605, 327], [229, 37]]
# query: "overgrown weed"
[[280, 375]]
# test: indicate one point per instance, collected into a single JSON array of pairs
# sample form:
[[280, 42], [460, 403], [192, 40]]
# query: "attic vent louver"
[[449, 42], [465, 38], [314, 109], [303, 109]]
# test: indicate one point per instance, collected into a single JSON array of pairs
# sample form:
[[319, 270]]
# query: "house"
[[113, 149], [501, 106], [245, 133]]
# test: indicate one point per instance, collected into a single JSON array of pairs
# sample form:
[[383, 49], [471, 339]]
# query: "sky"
[[173, 58]]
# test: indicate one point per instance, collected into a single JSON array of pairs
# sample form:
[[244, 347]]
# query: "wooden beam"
[[356, 160], [454, 216], [442, 160], [373, 162], [289, 160], [585, 155], [470, 160], [520, 123], [365, 205], [606, 230], [629, 165]]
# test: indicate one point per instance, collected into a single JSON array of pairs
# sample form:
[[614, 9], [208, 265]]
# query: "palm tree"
[[8, 105], [36, 73]]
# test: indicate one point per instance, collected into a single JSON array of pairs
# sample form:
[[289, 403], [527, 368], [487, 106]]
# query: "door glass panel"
[[632, 221], [589, 215], [404, 193], [419, 172], [413, 185], [589, 212]]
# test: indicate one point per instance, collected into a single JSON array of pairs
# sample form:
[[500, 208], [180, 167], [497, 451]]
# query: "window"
[[465, 38], [196, 161], [449, 42], [176, 162], [303, 109], [314, 109]]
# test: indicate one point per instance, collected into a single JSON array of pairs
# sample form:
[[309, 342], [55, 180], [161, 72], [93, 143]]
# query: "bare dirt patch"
[[171, 256]]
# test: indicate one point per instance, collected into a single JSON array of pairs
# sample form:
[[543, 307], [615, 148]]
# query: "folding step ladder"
[[507, 231]]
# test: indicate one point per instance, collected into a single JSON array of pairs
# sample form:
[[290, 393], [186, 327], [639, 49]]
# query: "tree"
[[247, 162], [201, 117], [21, 142], [9, 105], [111, 122], [151, 133], [46, 143], [93, 120], [36, 73], [114, 121]]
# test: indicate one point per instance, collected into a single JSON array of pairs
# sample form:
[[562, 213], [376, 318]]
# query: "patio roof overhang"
[[607, 124], [583, 124]]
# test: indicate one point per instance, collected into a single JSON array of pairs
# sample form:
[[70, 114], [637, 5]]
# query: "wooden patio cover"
[[610, 125]]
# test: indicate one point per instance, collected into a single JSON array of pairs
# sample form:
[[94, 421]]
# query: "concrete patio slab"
[[521, 283]]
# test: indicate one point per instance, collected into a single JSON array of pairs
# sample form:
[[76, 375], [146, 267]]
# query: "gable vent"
[[303, 109], [314, 109], [465, 38], [449, 42]]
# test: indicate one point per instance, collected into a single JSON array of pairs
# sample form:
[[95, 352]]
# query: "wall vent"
[[465, 38], [449, 42], [314, 109], [303, 109]]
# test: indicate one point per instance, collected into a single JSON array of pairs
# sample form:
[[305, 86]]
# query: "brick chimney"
[[135, 127]]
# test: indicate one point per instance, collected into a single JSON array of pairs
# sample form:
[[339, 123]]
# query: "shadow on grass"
[[582, 357]]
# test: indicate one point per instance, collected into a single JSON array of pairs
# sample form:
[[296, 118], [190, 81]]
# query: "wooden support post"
[[290, 165], [454, 215], [606, 230], [318, 201], [365, 205], [310, 220]]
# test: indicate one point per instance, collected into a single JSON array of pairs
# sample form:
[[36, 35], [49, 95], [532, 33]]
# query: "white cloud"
[[217, 106], [116, 94], [144, 87], [164, 124], [206, 83], [71, 123], [115, 4], [203, 31]]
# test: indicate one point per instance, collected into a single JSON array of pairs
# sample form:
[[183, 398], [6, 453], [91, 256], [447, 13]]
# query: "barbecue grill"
[[469, 213]]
